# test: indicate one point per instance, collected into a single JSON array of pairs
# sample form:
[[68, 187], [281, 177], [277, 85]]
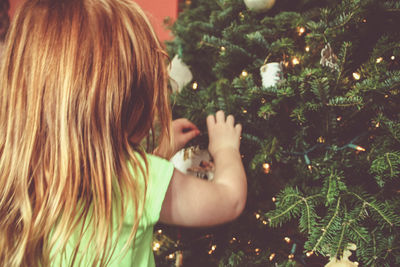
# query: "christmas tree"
[[315, 84]]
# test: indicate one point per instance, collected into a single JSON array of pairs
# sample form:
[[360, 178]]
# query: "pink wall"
[[157, 11]]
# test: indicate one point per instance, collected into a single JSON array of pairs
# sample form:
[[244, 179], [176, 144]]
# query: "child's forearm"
[[229, 172]]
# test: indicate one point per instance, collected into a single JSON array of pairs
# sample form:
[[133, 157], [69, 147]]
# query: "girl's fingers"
[[230, 120], [220, 116]]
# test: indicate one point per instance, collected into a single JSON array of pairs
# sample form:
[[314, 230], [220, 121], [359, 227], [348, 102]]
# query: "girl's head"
[[82, 83]]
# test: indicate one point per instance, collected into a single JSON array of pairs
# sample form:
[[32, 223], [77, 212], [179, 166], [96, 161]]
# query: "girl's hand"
[[223, 133], [183, 131]]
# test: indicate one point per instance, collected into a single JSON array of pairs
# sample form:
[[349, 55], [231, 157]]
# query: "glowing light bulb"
[[273, 199], [309, 253], [264, 222], [159, 231], [272, 256], [339, 118], [301, 30], [257, 250], [258, 216], [356, 76], [171, 256], [195, 86], [307, 49], [287, 240], [379, 60], [291, 256], [263, 100], [364, 20], [223, 48], [321, 140], [156, 246], [267, 168], [244, 111], [245, 73], [295, 61], [392, 57]]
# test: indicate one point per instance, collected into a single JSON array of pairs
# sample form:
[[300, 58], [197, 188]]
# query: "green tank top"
[[141, 254]]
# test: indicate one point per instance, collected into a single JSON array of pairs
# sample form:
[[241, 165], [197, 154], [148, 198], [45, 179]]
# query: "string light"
[[195, 85], [295, 61], [291, 256], [286, 64], [245, 73], [171, 256], [273, 199], [264, 222], [309, 167], [309, 253], [287, 240], [263, 100], [244, 111], [364, 20], [301, 30], [392, 57], [272, 256], [377, 125], [257, 216], [356, 76], [159, 231], [241, 15], [386, 96], [339, 118], [267, 168], [223, 48], [156, 246], [379, 60], [232, 240], [356, 147], [307, 49], [257, 250], [321, 140], [213, 247]]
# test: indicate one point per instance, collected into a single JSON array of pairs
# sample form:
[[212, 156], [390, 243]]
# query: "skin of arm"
[[190, 201]]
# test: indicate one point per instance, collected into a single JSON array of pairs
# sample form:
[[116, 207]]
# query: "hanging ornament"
[[179, 73], [194, 161], [259, 5], [271, 74], [344, 261], [328, 58], [178, 259]]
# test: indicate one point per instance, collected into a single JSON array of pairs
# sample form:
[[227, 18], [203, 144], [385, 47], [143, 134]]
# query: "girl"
[[83, 82]]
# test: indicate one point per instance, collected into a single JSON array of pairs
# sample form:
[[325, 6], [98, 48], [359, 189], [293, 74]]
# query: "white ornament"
[[344, 261], [179, 73], [271, 74], [259, 5], [194, 161]]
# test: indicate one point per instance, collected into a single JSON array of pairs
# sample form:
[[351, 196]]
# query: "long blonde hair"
[[82, 83]]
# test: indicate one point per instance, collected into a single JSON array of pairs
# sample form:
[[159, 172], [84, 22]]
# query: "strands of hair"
[[82, 84]]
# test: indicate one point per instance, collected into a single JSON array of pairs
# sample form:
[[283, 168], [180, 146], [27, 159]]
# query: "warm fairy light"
[[295, 61], [264, 222], [321, 140], [188, 2], [273, 199], [272, 256], [364, 20], [258, 216], [266, 167], [309, 253], [213, 247], [359, 148], [379, 59], [171, 256], [386, 96], [257, 250], [286, 64], [223, 48], [249, 242], [356, 76], [339, 118], [263, 100], [291, 256], [307, 49], [377, 124], [244, 111], [156, 246], [195, 85], [309, 167], [159, 231], [245, 73], [287, 239], [241, 15], [392, 57], [301, 30]]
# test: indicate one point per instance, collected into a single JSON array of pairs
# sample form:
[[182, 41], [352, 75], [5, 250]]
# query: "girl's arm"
[[190, 201]]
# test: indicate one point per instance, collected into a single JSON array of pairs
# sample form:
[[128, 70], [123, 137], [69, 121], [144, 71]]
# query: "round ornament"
[[259, 5], [271, 74]]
